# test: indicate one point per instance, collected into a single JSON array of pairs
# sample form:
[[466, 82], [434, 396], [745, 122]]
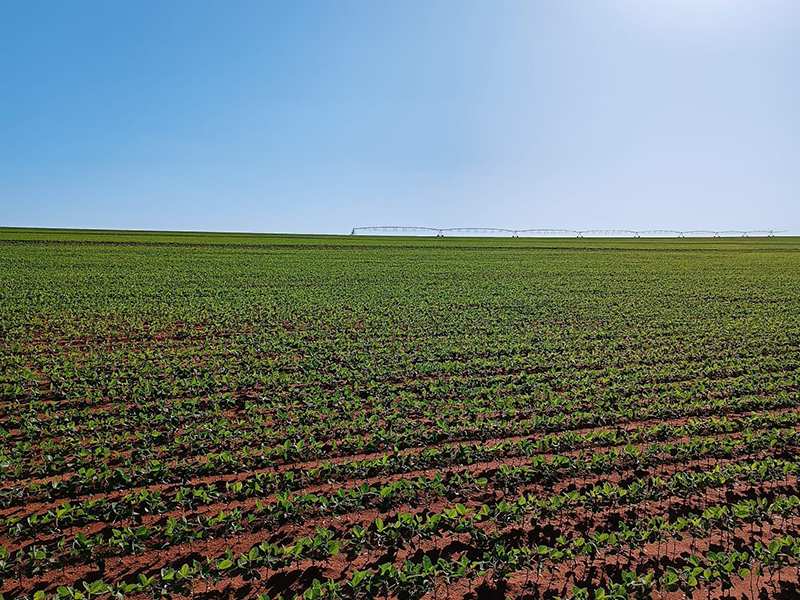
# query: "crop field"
[[241, 416]]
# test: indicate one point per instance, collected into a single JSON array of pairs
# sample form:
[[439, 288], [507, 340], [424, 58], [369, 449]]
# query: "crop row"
[[406, 528], [18, 460]]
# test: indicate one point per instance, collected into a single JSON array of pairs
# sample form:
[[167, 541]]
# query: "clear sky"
[[304, 116]]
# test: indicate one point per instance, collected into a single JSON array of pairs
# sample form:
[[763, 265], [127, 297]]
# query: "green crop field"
[[254, 416]]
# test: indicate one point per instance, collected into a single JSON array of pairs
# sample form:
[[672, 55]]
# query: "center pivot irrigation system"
[[441, 231]]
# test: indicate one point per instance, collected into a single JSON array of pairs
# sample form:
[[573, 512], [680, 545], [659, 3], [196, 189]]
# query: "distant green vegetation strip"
[[199, 238]]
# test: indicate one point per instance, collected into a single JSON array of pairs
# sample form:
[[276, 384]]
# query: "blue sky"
[[321, 116]]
